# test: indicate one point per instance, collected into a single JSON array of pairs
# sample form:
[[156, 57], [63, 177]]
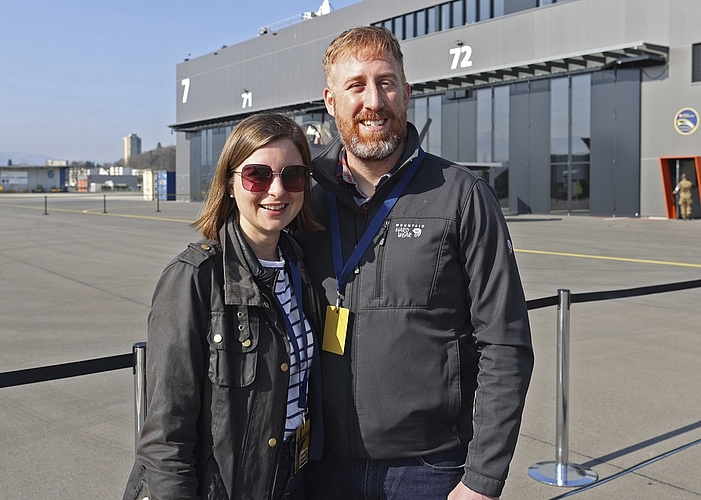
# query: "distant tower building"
[[132, 147]]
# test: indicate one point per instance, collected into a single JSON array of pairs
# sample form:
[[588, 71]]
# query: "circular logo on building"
[[687, 121]]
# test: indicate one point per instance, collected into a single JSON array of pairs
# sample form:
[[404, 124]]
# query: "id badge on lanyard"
[[336, 324]]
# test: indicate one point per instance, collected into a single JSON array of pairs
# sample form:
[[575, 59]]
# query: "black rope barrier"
[[66, 370], [121, 361], [615, 294]]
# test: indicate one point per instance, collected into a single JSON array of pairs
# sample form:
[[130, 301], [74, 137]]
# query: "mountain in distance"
[[19, 158]]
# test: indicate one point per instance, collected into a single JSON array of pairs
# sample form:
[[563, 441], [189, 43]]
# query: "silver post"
[[561, 472], [563, 379], [139, 350]]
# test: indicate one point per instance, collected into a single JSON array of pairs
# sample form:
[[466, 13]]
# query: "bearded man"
[[427, 351]]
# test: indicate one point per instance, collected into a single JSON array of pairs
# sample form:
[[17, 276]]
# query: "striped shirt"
[[286, 297]]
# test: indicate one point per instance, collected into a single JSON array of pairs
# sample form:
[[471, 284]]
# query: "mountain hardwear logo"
[[408, 230]]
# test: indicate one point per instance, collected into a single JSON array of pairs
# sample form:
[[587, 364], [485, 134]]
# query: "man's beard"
[[375, 145]]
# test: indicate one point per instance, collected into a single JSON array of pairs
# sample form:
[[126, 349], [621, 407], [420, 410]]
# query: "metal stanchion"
[[561, 472], [46, 205], [139, 350]]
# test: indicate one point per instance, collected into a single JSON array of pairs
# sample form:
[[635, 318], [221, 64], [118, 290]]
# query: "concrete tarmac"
[[76, 277]]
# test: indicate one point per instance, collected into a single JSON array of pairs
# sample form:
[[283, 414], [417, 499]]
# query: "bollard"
[[561, 472], [104, 203], [139, 350], [158, 203], [46, 205]]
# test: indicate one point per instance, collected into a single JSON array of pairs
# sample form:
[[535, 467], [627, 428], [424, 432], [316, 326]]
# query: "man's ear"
[[329, 101]]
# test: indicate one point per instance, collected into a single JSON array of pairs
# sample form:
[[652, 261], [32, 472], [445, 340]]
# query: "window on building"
[[458, 13], [502, 96], [445, 17], [497, 8], [420, 23], [485, 10], [453, 14], [409, 26], [435, 133], [580, 141], [423, 109], [484, 125], [432, 19], [399, 27], [570, 132], [696, 63]]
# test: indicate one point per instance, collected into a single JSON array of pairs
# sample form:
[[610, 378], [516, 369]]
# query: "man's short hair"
[[364, 42]]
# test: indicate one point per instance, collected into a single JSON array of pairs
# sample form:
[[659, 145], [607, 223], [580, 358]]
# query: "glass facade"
[[487, 125], [452, 14], [484, 125], [570, 134], [536, 136], [420, 111]]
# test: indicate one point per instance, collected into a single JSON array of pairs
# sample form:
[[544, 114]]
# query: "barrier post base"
[[569, 475]]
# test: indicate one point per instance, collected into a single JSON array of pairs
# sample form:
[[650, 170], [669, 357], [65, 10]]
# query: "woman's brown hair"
[[247, 137]]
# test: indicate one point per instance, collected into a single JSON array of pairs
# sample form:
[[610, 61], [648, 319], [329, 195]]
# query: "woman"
[[231, 393]]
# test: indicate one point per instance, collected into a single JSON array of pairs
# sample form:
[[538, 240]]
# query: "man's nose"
[[373, 97]]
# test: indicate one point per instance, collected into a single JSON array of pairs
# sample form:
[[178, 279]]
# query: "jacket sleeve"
[[175, 373], [502, 334]]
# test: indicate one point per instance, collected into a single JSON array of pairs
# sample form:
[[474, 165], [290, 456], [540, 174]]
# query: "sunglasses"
[[258, 178]]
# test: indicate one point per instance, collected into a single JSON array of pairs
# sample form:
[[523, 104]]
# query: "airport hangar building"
[[565, 107]]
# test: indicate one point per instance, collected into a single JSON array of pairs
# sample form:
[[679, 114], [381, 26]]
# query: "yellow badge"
[[335, 329]]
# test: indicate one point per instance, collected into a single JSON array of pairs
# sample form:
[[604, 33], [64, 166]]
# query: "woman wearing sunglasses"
[[232, 363]]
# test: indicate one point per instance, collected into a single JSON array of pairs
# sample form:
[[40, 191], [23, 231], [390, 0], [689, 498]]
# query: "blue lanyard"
[[343, 271], [303, 368]]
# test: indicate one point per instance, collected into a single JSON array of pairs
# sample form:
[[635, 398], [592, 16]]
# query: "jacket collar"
[[243, 274], [240, 267]]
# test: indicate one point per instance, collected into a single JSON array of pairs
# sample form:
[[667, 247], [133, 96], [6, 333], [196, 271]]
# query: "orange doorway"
[[672, 168]]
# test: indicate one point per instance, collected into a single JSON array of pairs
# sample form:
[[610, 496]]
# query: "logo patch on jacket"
[[408, 230]]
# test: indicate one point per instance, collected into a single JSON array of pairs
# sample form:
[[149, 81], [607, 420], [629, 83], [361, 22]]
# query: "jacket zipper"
[[380, 259]]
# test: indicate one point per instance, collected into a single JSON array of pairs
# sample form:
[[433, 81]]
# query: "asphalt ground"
[[76, 277]]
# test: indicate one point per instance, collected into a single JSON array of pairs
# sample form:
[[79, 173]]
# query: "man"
[[685, 199], [426, 351]]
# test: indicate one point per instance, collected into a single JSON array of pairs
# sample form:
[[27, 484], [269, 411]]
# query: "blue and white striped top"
[[286, 297]]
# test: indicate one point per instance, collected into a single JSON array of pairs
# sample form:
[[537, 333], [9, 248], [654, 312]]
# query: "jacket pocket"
[[409, 254], [233, 348]]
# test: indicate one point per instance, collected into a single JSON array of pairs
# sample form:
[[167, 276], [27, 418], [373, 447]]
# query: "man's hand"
[[462, 492]]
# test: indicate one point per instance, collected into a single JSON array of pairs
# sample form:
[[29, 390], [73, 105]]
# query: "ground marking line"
[[604, 257], [537, 252], [95, 212]]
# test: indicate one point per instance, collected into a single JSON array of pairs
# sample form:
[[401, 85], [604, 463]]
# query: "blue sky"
[[76, 76]]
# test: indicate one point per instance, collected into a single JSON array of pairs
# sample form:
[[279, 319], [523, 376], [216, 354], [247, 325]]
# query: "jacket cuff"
[[482, 484]]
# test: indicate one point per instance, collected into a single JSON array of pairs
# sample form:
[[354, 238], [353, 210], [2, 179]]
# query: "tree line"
[[157, 159]]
